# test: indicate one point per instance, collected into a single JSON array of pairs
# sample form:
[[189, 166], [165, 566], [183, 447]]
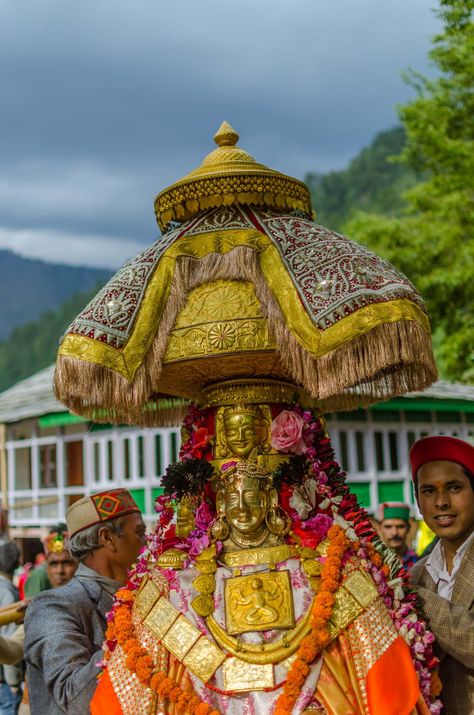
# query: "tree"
[[433, 241], [370, 182]]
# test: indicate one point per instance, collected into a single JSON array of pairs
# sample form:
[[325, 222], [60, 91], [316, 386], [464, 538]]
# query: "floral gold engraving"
[[219, 317]]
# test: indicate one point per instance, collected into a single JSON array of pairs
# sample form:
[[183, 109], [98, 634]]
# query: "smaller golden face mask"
[[242, 431]]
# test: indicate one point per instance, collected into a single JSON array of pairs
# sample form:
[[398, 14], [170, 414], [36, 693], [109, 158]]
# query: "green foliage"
[[33, 346], [371, 182], [432, 241]]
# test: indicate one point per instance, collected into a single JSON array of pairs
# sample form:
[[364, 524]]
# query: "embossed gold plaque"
[[261, 555], [161, 617], [204, 658], [345, 609], [181, 637], [259, 602], [146, 599], [243, 677], [361, 587]]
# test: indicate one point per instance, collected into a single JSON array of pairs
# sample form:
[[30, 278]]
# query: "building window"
[[127, 471], [96, 460], [74, 469], [22, 468], [158, 456], [141, 456], [48, 474], [359, 440], [174, 446], [110, 461]]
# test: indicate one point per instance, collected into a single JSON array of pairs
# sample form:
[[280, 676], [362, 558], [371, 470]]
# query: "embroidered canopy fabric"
[[247, 286]]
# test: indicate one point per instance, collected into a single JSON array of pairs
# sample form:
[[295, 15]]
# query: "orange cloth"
[[104, 699], [384, 694]]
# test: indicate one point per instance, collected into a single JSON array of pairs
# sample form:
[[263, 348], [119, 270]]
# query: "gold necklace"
[[258, 556], [261, 653]]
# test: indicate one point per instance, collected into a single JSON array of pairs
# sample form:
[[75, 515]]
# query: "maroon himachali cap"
[[441, 447]]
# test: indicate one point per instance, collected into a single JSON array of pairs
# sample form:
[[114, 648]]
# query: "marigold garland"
[[137, 659], [312, 644]]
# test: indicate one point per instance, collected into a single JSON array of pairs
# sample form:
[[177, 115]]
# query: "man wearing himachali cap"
[[443, 469], [65, 627]]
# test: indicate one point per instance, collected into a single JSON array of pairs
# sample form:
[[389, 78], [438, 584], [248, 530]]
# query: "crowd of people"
[[69, 596]]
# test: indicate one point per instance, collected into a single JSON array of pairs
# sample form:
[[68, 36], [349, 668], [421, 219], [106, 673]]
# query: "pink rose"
[[287, 433], [199, 545]]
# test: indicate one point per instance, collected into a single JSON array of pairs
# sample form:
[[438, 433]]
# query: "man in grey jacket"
[[65, 627]]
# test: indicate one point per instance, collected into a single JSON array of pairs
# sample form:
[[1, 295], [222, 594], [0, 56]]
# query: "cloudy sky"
[[106, 102]]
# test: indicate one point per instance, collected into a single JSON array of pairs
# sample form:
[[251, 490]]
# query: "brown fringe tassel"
[[390, 360]]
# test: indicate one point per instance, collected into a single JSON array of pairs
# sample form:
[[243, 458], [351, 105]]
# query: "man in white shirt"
[[443, 469]]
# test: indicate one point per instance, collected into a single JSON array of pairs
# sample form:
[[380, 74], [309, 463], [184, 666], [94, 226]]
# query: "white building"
[[50, 458]]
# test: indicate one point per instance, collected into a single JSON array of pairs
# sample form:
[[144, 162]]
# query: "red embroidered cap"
[[96, 508], [441, 447]]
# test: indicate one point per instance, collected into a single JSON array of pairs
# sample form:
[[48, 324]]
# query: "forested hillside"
[[29, 287], [372, 182], [33, 346]]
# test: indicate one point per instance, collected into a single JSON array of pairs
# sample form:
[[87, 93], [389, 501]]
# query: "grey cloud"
[[106, 102]]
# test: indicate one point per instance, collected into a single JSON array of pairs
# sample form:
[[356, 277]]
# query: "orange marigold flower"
[[166, 687], [156, 679], [183, 702], [202, 709], [175, 693]]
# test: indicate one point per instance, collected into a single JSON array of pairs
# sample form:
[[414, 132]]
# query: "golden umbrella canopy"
[[243, 284]]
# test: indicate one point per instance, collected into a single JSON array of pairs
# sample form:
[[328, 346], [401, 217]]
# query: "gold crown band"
[[250, 392]]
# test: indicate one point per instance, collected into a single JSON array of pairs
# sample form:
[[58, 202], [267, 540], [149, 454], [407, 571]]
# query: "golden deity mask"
[[245, 504], [247, 508]]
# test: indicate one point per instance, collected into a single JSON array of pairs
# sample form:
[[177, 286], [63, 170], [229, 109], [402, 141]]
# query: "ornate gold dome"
[[230, 175]]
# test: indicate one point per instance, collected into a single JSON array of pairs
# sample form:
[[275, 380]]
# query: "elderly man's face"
[[131, 539]]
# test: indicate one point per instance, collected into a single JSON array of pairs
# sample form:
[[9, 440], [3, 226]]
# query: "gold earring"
[[220, 528], [277, 521]]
